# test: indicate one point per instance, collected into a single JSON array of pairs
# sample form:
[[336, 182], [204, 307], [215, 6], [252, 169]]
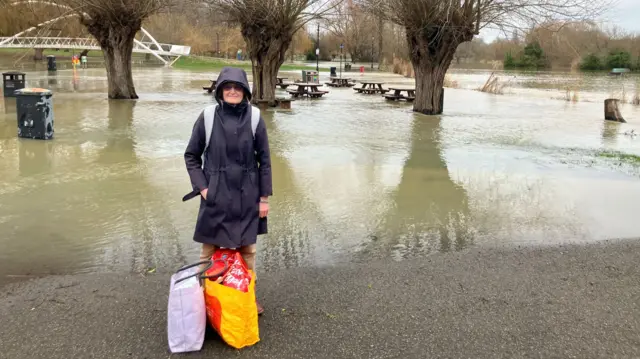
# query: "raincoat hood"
[[232, 74]]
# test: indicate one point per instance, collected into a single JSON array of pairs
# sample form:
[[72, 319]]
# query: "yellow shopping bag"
[[233, 313]]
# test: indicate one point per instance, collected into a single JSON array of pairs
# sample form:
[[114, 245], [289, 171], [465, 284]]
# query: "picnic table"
[[302, 90], [340, 82], [211, 87], [371, 87], [283, 85], [397, 94]]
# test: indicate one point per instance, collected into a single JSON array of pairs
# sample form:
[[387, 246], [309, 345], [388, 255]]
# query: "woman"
[[235, 182]]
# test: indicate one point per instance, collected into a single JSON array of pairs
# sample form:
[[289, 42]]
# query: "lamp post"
[[372, 39], [318, 50], [341, 47]]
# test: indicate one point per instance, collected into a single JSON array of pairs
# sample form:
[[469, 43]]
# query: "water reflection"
[[610, 132], [429, 210], [9, 105], [35, 156], [289, 241], [121, 143]]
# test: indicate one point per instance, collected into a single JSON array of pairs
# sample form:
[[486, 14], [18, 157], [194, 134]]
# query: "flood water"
[[356, 178]]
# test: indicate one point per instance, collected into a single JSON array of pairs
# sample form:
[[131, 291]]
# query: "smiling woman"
[[234, 182]]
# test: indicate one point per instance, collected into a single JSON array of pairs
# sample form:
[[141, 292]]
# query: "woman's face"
[[232, 93]]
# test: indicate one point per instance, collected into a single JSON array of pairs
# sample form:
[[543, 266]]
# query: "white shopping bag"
[[186, 312]]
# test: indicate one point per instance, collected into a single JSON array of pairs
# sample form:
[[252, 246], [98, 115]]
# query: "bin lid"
[[33, 91], [13, 73]]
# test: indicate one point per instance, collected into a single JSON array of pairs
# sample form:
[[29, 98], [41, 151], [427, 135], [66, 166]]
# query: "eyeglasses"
[[229, 87]]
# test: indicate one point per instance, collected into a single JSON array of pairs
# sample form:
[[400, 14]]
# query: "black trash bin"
[[51, 63], [333, 71], [34, 109], [12, 81]]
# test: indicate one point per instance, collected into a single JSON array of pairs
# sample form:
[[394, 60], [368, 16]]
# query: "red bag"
[[237, 275]]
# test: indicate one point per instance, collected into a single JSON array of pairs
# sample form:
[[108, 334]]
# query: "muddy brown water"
[[356, 178]]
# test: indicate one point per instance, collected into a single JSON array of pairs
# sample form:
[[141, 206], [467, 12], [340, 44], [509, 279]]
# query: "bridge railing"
[[86, 43]]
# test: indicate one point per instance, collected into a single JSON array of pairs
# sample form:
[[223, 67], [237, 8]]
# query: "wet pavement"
[[576, 301]]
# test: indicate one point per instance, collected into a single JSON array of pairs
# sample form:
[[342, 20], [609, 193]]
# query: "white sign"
[[317, 51]]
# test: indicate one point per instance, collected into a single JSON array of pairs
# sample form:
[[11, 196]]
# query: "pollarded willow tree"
[[435, 28], [268, 26], [114, 24]]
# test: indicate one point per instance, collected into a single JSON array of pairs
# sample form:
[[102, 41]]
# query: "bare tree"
[[354, 27], [435, 28], [114, 24], [268, 26]]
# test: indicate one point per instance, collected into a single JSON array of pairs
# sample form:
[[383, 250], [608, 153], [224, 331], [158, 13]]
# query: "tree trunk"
[[267, 55], [116, 42], [611, 111], [38, 55], [431, 57], [380, 40], [117, 57], [429, 86]]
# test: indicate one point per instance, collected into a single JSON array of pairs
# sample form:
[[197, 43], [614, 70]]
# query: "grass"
[[213, 63], [635, 100], [493, 85], [571, 95], [623, 157], [58, 53]]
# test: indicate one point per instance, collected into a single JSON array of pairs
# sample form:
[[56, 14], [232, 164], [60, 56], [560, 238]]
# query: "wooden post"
[[611, 111], [285, 103], [263, 105]]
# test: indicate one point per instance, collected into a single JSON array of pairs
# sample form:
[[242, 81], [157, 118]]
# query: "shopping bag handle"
[[206, 261], [199, 274], [226, 267]]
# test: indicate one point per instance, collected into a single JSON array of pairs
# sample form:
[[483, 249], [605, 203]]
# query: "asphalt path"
[[578, 301]]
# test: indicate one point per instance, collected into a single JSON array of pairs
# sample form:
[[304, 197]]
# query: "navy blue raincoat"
[[237, 171]]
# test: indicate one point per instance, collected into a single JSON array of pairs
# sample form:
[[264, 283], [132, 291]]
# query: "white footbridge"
[[166, 53]]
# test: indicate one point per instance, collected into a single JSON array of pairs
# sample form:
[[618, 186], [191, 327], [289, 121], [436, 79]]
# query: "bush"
[[509, 62], [619, 59], [532, 57], [591, 62]]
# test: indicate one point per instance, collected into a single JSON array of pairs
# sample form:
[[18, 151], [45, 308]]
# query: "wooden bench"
[[284, 85], [317, 94], [392, 97], [262, 104], [284, 103], [211, 87], [371, 91]]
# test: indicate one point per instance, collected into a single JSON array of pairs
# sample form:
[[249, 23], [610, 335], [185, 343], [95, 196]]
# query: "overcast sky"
[[626, 15]]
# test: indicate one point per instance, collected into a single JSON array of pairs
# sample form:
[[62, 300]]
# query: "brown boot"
[[260, 308]]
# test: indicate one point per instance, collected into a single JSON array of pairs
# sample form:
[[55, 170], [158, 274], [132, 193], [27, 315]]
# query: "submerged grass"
[[623, 157], [212, 63]]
